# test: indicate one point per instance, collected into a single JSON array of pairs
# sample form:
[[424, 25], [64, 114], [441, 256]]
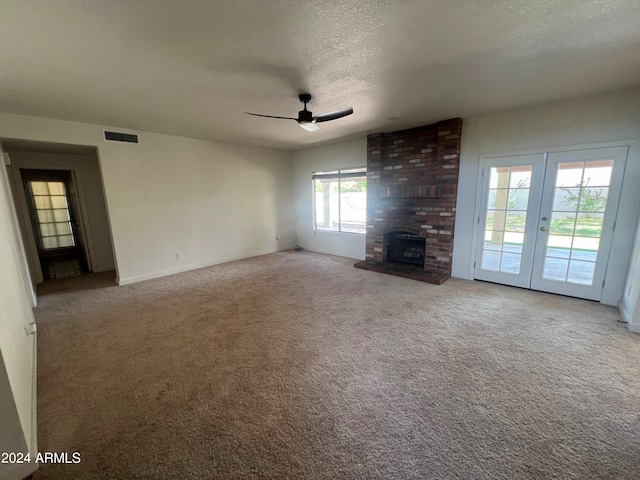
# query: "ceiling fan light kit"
[[309, 126], [306, 119]]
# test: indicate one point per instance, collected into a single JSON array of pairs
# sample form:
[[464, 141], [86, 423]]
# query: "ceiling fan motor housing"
[[305, 116]]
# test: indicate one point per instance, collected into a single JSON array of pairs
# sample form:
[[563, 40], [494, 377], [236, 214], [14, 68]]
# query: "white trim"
[[606, 300], [586, 146], [195, 266], [626, 316], [633, 327], [624, 313]]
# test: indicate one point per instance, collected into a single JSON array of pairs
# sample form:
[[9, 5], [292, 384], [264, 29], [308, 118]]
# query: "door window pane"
[[589, 224], [555, 269], [66, 240], [581, 272], [565, 199], [515, 221], [491, 260], [505, 218], [495, 219], [510, 263], [579, 201], [62, 228], [61, 214], [52, 212], [599, 173], [569, 174], [562, 223], [593, 199]]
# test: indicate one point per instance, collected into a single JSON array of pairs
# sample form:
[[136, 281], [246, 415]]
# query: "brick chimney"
[[412, 182]]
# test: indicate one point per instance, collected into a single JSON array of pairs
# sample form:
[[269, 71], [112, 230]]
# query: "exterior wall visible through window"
[[340, 200]]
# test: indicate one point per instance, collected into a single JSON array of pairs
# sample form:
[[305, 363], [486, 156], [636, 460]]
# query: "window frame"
[[338, 174]]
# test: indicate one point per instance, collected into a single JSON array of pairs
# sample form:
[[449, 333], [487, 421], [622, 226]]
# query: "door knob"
[[543, 229]]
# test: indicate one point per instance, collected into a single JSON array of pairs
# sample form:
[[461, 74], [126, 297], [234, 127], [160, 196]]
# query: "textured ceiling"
[[192, 68]]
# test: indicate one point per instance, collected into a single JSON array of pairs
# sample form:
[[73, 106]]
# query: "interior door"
[[548, 220], [18, 426], [576, 222]]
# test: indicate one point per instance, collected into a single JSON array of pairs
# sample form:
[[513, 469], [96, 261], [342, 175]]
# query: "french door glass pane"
[[52, 211], [505, 218], [579, 201]]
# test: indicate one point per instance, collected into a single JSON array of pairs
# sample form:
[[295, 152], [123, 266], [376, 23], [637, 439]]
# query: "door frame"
[[73, 208], [22, 208], [612, 292]]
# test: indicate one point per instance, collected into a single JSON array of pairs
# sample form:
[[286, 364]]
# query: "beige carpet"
[[297, 365]]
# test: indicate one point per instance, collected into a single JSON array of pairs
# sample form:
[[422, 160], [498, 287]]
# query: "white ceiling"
[[191, 68]]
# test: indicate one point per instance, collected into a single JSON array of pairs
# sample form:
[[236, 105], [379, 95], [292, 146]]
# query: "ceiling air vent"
[[120, 137]]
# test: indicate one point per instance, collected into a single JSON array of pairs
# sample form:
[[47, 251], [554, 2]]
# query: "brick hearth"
[[412, 181]]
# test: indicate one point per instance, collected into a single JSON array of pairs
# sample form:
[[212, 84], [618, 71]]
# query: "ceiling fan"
[[306, 119]]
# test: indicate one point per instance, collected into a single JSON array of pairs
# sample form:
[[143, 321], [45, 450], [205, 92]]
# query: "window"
[[341, 200]]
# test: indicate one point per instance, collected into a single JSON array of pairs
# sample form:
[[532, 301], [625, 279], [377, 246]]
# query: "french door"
[[547, 220]]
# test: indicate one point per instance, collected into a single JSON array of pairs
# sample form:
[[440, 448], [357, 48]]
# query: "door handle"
[[543, 229]]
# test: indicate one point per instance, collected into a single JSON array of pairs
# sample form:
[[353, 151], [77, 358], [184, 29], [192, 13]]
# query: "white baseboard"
[[623, 311], [462, 275], [327, 252], [187, 268], [626, 316]]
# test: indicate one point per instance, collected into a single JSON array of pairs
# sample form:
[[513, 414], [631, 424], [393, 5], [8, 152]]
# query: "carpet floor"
[[296, 365]]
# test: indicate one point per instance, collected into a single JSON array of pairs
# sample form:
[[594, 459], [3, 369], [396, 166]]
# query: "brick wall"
[[412, 181]]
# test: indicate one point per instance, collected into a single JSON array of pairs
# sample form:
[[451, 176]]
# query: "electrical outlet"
[[179, 255]]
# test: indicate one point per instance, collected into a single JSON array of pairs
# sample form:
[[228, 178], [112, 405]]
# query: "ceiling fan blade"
[[270, 116], [325, 117]]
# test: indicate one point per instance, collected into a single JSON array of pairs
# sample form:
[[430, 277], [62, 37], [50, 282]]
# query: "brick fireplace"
[[412, 181]]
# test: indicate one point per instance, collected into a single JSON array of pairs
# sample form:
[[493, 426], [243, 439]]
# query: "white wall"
[[90, 189], [213, 201], [603, 118], [327, 158]]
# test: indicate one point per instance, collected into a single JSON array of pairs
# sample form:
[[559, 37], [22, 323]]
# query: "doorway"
[[53, 210], [79, 170], [548, 219]]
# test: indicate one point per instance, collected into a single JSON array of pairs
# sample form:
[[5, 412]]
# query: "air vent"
[[120, 137]]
